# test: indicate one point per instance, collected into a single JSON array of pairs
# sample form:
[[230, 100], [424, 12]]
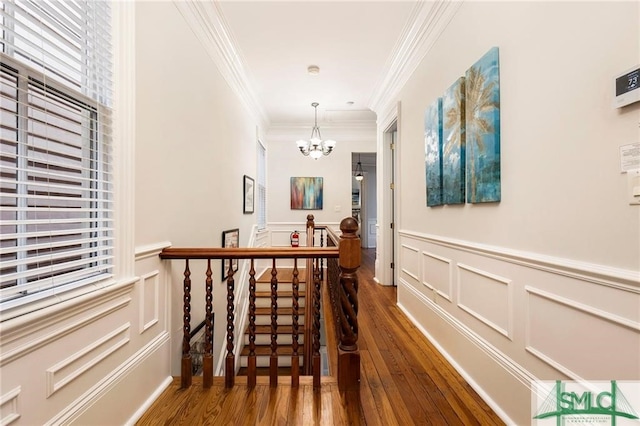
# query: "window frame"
[[122, 117]]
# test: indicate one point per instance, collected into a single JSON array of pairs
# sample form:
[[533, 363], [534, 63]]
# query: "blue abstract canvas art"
[[453, 144], [433, 152], [482, 115]]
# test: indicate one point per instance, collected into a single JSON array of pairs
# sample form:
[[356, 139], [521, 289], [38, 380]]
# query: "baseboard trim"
[[512, 368], [149, 402]]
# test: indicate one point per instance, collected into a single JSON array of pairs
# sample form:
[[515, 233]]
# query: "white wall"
[[545, 283], [102, 358], [284, 161], [194, 143]]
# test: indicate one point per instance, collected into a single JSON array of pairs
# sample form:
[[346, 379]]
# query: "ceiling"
[[350, 41]]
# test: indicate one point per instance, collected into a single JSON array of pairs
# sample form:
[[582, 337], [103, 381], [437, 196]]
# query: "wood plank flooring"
[[404, 381]]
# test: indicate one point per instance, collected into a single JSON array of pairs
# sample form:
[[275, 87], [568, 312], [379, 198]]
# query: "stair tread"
[[281, 293], [284, 276], [262, 350], [282, 329], [280, 311]]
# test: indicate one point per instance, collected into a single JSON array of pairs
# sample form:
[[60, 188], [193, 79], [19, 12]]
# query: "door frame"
[[387, 200]]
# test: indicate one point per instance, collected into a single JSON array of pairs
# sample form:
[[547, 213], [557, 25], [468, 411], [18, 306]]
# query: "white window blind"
[[55, 147], [262, 186]]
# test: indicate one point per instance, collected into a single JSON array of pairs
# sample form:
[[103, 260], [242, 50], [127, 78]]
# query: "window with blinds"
[[262, 186], [55, 148]]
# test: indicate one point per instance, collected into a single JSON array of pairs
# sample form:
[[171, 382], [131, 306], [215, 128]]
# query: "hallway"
[[404, 380]]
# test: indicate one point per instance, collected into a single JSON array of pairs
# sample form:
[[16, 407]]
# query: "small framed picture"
[[249, 193], [230, 238]]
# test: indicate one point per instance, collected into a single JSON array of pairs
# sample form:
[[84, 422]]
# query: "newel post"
[[349, 261], [311, 229]]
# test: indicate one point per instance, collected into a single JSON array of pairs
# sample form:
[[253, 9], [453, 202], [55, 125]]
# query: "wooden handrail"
[[250, 253], [346, 254]]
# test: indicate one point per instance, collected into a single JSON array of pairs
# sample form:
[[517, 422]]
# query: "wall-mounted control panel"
[[627, 87]]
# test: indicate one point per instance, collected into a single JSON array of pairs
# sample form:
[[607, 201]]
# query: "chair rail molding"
[[621, 279]]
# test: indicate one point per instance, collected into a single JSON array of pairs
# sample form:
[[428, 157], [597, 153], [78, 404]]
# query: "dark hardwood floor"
[[404, 381]]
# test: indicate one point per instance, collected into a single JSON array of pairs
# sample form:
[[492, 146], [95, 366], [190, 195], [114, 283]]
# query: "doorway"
[[364, 195]]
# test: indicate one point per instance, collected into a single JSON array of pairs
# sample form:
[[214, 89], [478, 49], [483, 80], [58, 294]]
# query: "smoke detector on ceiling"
[[313, 69]]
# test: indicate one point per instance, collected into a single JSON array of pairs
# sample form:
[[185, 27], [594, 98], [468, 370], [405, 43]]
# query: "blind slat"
[[95, 272]]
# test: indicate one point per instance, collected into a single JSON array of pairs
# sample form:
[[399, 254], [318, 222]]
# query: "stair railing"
[[342, 283], [348, 254]]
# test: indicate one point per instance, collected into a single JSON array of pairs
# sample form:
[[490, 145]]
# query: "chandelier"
[[358, 173], [315, 146]]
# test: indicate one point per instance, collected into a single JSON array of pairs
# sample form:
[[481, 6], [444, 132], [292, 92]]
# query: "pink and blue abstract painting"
[[453, 144], [306, 193], [482, 115], [433, 152]]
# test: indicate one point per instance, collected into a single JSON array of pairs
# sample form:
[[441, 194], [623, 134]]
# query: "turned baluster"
[[316, 326], [185, 377], [295, 357], [251, 365], [273, 359], [207, 362], [230, 372], [349, 260]]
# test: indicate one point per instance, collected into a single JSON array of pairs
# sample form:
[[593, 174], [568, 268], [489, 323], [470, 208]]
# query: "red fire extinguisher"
[[295, 239]]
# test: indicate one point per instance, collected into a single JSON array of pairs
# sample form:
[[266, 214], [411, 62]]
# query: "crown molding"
[[210, 27], [427, 21]]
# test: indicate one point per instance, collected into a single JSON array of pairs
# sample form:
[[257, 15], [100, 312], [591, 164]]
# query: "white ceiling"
[[351, 41]]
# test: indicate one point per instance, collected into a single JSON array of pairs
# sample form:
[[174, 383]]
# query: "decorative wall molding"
[[109, 301], [449, 280], [109, 382], [403, 257], [574, 306], [154, 298], [620, 279], [514, 369], [427, 21], [504, 329], [523, 376], [9, 408], [96, 351], [210, 27], [150, 250], [599, 313]]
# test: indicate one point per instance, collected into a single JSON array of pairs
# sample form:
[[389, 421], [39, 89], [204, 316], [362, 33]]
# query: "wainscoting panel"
[[149, 300], [487, 297], [9, 411], [437, 274], [563, 333], [410, 263], [64, 372], [518, 317]]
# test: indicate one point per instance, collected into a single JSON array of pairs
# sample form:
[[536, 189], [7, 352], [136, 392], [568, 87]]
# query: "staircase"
[[285, 319]]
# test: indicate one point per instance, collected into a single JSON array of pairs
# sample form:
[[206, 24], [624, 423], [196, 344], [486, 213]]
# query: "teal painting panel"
[[453, 144], [433, 152], [482, 115]]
